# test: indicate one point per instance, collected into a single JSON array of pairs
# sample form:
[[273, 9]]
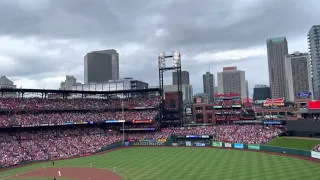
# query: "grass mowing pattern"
[[166, 163], [306, 144]]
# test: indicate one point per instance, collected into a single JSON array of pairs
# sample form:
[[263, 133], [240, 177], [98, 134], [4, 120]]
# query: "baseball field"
[[157, 163]]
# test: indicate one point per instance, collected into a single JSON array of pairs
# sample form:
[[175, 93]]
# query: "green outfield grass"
[[167, 163], [297, 143]]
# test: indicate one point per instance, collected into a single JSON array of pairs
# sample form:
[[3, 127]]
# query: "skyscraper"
[[208, 85], [314, 49], [184, 77], [101, 66], [277, 49], [232, 80], [261, 92], [298, 74], [247, 88]]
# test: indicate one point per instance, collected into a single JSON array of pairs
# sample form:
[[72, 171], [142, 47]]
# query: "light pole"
[[122, 122]]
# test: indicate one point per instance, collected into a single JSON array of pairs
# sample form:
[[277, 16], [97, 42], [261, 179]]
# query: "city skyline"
[[39, 53]]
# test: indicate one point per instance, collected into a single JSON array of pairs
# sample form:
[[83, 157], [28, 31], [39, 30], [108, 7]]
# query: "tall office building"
[[247, 88], [232, 80], [298, 74], [101, 66], [208, 85], [261, 92], [277, 49], [314, 49], [184, 77]]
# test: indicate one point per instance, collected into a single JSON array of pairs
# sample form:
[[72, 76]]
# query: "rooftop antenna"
[[209, 68]]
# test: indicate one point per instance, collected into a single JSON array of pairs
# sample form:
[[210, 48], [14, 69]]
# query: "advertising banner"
[[217, 144], [200, 144], [315, 154], [228, 145], [272, 122], [238, 145], [174, 144], [304, 94], [188, 143], [139, 129], [254, 146], [142, 121], [114, 121], [146, 143], [274, 102]]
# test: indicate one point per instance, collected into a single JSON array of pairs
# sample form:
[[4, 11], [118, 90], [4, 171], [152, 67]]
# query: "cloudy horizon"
[[43, 41]]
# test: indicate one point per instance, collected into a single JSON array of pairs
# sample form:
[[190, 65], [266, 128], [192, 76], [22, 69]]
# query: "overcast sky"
[[44, 40]]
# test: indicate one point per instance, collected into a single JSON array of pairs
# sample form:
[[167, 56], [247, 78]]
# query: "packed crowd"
[[317, 148], [78, 103], [63, 143], [53, 144], [60, 118]]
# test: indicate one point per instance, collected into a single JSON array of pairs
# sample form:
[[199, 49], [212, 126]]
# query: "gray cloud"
[[193, 27]]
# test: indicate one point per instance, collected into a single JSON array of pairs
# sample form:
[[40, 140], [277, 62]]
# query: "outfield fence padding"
[[254, 147]]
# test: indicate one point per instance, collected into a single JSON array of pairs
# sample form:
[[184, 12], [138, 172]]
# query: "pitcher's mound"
[[73, 173]]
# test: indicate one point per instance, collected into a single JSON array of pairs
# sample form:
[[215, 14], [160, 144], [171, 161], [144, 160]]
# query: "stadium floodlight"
[[176, 59], [162, 60]]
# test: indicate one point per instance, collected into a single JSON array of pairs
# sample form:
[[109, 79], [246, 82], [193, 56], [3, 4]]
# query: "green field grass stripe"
[[296, 143], [167, 163]]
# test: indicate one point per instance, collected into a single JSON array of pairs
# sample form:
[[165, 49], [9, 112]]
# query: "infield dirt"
[[73, 173]]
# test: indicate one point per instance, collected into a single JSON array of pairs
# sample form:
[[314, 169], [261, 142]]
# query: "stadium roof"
[[77, 92]]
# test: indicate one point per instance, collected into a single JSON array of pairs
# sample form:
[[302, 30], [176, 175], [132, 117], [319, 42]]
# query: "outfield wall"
[[254, 147]]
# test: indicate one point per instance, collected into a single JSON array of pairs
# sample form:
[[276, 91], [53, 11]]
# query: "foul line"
[[12, 176]]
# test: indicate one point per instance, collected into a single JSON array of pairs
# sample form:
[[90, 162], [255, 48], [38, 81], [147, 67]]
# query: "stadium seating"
[[76, 104], [60, 118], [20, 147]]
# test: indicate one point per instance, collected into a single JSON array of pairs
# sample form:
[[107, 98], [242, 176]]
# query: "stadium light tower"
[[176, 66]]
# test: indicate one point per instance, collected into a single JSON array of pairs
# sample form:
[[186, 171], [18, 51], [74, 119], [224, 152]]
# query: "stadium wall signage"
[[148, 107], [142, 121], [254, 146], [238, 145], [174, 144], [315, 154], [138, 129], [188, 143], [144, 143], [200, 144], [227, 145], [272, 122], [227, 95], [114, 121], [274, 102], [216, 144]]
